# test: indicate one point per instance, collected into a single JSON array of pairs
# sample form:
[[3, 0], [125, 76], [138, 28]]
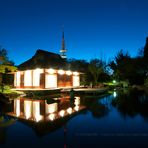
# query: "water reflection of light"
[[38, 118], [69, 110], [36, 111], [61, 113], [52, 117], [77, 101], [28, 78], [76, 108], [27, 109], [17, 107], [51, 108], [115, 94]]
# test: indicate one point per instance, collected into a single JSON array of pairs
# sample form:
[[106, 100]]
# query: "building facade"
[[42, 78]]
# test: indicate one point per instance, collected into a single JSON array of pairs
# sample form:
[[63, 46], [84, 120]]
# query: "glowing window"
[[50, 81], [28, 78], [76, 81], [36, 77], [17, 79]]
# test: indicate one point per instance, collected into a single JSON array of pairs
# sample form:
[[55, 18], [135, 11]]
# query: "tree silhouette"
[[146, 49], [6, 66], [96, 67]]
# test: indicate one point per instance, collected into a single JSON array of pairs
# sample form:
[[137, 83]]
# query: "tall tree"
[[120, 65], [96, 67], [80, 65], [6, 66], [146, 49], [128, 69], [4, 60]]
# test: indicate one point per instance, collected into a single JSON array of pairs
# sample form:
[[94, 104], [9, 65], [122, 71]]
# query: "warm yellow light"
[[51, 108], [61, 72], [75, 73], [76, 108], [77, 101], [28, 78], [61, 113], [36, 76], [38, 118], [36, 111], [51, 81], [51, 71], [52, 117], [27, 109], [76, 81], [69, 72], [17, 79], [17, 107], [69, 110], [38, 70]]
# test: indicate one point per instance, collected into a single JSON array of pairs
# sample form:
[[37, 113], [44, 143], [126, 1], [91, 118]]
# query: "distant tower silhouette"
[[63, 49]]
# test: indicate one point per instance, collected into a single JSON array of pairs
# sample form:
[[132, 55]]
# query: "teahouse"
[[45, 70]]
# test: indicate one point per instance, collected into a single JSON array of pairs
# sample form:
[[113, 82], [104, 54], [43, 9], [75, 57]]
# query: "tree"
[[80, 65], [145, 58], [6, 66], [128, 69], [4, 60], [96, 67], [120, 65], [146, 49]]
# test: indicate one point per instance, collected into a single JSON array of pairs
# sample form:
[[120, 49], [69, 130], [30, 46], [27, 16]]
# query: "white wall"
[[36, 77], [28, 78], [17, 77], [50, 80], [76, 81]]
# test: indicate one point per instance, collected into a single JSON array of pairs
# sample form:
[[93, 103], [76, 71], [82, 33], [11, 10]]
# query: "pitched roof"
[[44, 59]]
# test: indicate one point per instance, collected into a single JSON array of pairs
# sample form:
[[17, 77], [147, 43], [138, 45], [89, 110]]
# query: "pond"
[[119, 119]]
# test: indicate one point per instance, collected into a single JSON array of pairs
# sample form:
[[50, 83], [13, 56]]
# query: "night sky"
[[93, 28]]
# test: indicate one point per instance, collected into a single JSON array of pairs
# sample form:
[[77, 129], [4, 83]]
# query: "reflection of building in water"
[[39, 110]]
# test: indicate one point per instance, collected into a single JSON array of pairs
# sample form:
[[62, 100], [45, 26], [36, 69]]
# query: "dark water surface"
[[116, 120]]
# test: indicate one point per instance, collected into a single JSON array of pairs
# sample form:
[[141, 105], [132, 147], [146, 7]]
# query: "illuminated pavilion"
[[45, 70]]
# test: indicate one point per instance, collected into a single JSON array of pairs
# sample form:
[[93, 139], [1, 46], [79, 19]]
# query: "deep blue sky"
[[93, 28]]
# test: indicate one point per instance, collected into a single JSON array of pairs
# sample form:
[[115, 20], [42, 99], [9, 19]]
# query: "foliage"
[[7, 68], [129, 69], [146, 49], [120, 65], [79, 65], [4, 60], [97, 71], [93, 71]]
